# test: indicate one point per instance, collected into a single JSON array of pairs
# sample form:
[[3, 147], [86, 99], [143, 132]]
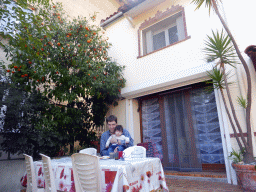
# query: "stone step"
[[199, 176]]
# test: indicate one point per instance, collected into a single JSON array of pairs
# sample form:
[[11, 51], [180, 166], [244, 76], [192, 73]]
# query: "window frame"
[[160, 16]]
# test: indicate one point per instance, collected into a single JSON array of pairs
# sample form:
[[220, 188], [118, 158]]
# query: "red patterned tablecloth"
[[131, 175]]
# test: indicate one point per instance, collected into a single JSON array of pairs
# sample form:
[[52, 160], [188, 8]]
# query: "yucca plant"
[[222, 47]]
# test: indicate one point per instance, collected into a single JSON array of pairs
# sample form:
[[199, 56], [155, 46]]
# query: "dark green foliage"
[[65, 62], [26, 128]]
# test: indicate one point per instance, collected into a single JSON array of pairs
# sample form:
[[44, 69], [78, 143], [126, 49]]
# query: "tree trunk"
[[249, 150], [231, 121], [232, 108]]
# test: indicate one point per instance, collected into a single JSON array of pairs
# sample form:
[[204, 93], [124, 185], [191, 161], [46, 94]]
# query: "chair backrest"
[[31, 176], [89, 151], [135, 152], [86, 171], [48, 174], [152, 150]]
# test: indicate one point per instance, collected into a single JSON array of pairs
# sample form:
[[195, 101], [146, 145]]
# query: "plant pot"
[[246, 176]]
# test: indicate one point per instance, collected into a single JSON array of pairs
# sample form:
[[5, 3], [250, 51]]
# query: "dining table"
[[127, 175]]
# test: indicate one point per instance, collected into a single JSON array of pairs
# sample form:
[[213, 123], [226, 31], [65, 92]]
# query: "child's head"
[[119, 130]]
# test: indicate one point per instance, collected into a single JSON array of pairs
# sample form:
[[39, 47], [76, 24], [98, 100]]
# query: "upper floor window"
[[165, 29]]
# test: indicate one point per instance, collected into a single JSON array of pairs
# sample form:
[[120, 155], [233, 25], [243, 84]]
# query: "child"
[[119, 137]]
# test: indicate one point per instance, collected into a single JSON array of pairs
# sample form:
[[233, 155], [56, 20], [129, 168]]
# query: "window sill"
[[188, 37]]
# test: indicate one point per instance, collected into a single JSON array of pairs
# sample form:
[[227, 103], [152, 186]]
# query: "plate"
[[104, 157]]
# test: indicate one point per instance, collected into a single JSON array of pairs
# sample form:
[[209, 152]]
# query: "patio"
[[14, 169]]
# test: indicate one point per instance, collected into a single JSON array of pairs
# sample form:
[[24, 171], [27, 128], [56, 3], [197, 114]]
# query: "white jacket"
[[122, 138]]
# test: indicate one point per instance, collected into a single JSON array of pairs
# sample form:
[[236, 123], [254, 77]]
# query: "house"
[[160, 43]]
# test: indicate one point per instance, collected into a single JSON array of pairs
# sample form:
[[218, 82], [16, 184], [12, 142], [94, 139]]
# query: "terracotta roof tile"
[[126, 7]]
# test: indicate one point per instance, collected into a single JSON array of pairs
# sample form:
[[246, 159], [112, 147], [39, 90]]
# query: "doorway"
[[183, 123]]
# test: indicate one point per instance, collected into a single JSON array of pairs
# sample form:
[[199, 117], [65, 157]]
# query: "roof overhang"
[[174, 80], [142, 7]]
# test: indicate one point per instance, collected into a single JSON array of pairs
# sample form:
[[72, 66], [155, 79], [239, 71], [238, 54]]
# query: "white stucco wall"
[[86, 8], [176, 58]]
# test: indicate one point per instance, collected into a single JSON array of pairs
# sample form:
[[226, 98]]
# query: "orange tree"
[[67, 61]]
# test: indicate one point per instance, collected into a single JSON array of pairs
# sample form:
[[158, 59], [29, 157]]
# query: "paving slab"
[[186, 185]]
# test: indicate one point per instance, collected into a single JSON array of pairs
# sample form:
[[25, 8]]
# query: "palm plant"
[[223, 47]]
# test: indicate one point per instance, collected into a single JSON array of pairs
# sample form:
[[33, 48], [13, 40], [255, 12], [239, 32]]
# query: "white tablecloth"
[[143, 174]]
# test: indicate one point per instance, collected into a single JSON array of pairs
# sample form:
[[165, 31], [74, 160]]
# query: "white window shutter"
[[149, 42], [180, 28]]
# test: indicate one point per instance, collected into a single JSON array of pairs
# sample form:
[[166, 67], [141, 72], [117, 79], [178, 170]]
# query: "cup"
[[116, 156], [120, 154], [112, 155]]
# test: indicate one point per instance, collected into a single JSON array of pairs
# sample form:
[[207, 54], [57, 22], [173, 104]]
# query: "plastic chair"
[[152, 150], [89, 151], [48, 174], [31, 176], [86, 171], [135, 152]]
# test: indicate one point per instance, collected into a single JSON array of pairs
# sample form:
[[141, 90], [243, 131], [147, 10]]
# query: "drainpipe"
[[108, 21]]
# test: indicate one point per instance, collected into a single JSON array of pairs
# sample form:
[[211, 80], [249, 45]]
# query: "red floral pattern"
[[133, 177], [40, 171], [62, 173], [125, 188]]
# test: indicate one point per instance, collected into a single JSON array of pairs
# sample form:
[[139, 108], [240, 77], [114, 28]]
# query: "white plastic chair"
[[89, 151], [48, 174], [135, 152], [31, 176], [86, 171]]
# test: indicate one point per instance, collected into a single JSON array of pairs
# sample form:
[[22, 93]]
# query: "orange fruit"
[[58, 44], [25, 45], [94, 33], [22, 76], [62, 47], [45, 36], [34, 71], [42, 49], [87, 28], [13, 72], [26, 75], [67, 35], [18, 69], [8, 70], [58, 17], [54, 6], [79, 45], [44, 44], [85, 35], [88, 41]]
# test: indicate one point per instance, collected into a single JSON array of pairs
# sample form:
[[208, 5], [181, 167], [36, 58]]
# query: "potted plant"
[[223, 49]]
